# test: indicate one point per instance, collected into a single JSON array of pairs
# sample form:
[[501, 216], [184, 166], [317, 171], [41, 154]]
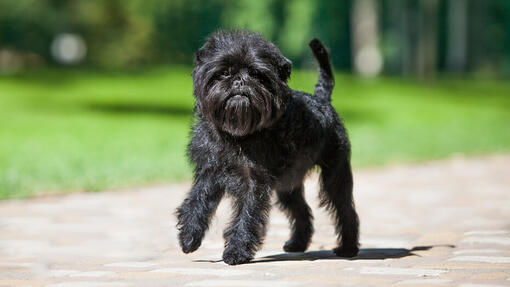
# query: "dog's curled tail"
[[324, 86]]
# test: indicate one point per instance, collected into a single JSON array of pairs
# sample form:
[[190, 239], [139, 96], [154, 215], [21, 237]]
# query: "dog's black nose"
[[241, 78], [238, 83]]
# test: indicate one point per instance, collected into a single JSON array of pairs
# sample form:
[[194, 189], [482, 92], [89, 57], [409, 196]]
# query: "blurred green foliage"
[[79, 130], [128, 33]]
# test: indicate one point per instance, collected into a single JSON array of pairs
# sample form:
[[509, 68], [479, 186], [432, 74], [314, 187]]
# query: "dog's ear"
[[284, 68], [199, 56]]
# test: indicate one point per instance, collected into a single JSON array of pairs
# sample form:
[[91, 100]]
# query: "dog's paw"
[[293, 245], [234, 256], [190, 241], [344, 251]]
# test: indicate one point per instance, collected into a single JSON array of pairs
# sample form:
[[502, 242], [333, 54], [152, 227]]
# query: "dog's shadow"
[[364, 254]]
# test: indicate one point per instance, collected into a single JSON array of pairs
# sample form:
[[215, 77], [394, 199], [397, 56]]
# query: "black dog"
[[253, 134]]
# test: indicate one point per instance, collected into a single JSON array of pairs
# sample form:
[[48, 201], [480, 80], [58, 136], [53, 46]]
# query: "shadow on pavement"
[[364, 254]]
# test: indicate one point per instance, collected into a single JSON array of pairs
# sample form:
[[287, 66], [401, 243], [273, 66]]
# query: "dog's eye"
[[256, 74], [227, 72]]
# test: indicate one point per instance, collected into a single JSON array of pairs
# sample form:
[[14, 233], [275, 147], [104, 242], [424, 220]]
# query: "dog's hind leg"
[[336, 196], [300, 216]]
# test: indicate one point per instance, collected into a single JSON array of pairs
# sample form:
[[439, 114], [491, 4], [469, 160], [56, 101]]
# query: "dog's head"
[[239, 82]]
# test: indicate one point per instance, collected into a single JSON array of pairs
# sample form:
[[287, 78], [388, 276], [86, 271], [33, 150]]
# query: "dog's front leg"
[[248, 227], [194, 214]]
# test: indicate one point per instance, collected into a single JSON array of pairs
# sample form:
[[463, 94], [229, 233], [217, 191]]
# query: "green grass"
[[64, 131]]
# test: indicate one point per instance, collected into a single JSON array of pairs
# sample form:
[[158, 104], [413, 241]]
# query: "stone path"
[[442, 223]]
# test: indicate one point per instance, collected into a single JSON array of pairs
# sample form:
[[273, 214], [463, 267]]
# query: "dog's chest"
[[285, 164]]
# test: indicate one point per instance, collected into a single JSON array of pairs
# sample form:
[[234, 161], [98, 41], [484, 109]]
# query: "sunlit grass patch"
[[64, 131]]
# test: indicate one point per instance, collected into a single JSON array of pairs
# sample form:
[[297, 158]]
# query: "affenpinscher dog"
[[252, 135]]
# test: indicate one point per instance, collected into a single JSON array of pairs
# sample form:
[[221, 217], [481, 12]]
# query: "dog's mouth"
[[237, 103], [238, 116], [237, 108], [241, 112], [238, 99]]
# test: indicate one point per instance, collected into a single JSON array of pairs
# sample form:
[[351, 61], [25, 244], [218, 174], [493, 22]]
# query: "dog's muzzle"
[[238, 100]]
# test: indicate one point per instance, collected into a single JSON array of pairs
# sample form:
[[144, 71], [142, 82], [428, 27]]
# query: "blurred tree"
[[427, 39], [368, 60], [296, 31], [488, 36], [116, 35], [410, 30], [181, 26], [252, 15], [415, 37], [392, 35], [456, 54], [29, 25], [331, 23]]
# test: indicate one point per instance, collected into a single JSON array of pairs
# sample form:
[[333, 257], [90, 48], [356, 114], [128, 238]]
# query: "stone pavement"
[[444, 223]]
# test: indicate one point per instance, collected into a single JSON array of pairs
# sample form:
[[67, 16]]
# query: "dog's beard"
[[245, 110], [239, 117]]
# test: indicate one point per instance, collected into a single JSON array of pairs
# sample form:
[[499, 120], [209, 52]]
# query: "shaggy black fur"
[[253, 134]]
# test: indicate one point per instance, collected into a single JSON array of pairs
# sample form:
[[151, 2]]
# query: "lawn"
[[64, 131]]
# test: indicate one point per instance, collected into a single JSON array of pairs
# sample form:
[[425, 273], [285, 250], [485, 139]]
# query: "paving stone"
[[490, 276], [245, 283], [16, 264], [425, 281], [479, 251], [62, 272], [442, 223], [487, 240], [93, 274], [132, 264], [401, 271], [144, 275], [487, 232], [25, 283], [487, 259], [465, 265], [88, 284], [203, 271]]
